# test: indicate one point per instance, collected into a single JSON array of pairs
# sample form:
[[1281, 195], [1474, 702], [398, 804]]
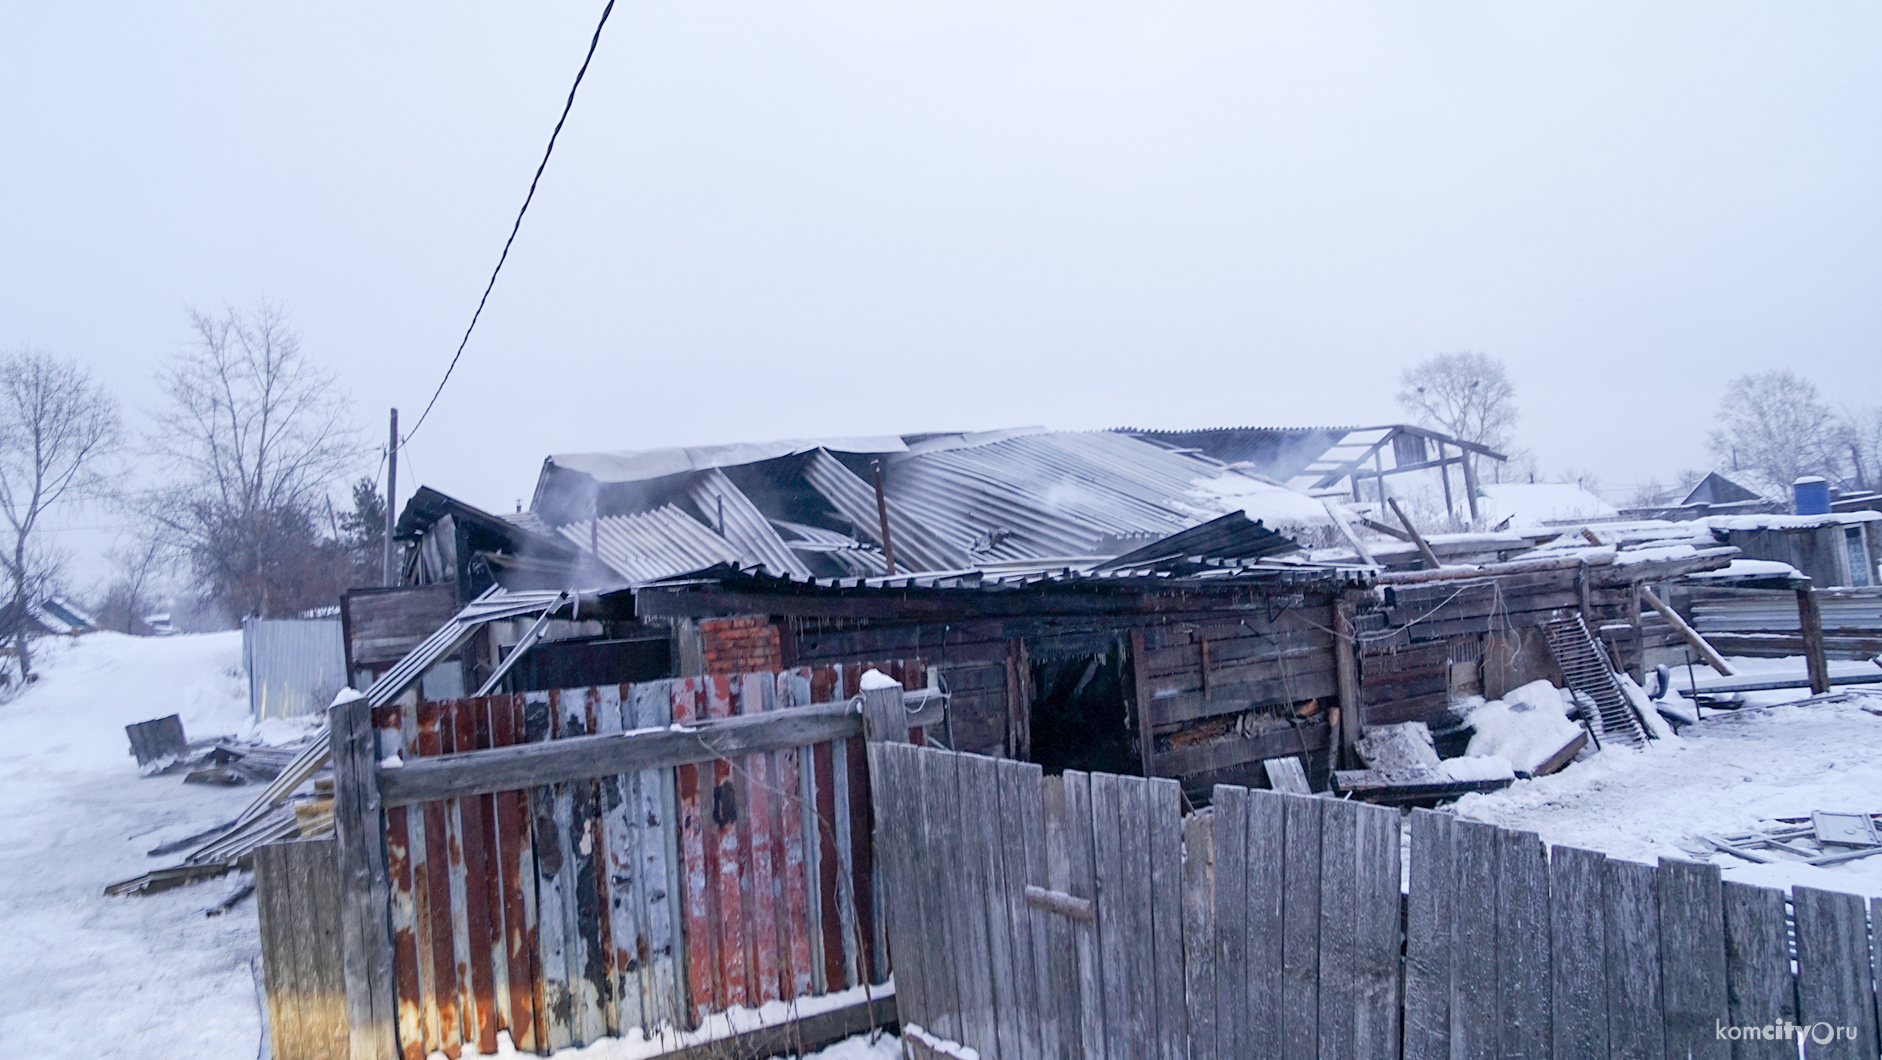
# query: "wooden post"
[[1699, 643], [1346, 678], [1018, 701], [1444, 473], [365, 895], [1140, 675], [1431, 558], [1810, 622], [389, 574], [882, 519], [297, 899], [1470, 485], [885, 719]]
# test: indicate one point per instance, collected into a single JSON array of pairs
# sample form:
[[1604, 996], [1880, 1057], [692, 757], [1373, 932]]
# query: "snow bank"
[[86, 975], [1406, 745], [1525, 728]]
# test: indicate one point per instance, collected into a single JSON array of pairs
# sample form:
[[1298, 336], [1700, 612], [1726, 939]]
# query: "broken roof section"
[[808, 508]]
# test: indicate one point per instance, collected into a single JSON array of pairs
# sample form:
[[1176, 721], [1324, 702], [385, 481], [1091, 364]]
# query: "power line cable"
[[505, 256]]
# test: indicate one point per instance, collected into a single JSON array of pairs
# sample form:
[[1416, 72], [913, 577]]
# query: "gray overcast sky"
[[798, 217]]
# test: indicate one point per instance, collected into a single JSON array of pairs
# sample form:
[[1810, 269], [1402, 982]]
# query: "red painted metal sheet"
[[480, 1012], [445, 1034], [754, 695], [391, 721], [517, 877], [704, 994], [789, 857], [773, 872]]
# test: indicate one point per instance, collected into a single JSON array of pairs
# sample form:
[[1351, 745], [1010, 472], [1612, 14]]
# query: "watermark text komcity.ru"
[[1821, 1033]]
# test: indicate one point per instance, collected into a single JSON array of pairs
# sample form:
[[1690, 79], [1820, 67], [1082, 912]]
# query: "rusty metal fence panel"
[[576, 911], [295, 666]]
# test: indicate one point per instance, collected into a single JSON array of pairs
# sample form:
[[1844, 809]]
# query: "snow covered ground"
[[86, 975], [1733, 772], [148, 977], [152, 977]]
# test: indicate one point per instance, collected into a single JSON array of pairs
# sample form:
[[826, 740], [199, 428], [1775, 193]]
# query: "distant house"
[[1716, 489], [49, 614]]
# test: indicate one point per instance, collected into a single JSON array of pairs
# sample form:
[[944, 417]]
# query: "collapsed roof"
[[807, 508]]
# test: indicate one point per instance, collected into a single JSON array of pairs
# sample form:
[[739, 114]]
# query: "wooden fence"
[[567, 866], [1083, 916]]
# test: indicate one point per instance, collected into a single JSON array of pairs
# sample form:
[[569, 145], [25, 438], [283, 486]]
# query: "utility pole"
[[389, 576]]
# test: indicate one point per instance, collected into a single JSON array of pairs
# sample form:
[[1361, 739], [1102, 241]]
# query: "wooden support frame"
[[1810, 624], [1146, 735], [1346, 674], [530, 765]]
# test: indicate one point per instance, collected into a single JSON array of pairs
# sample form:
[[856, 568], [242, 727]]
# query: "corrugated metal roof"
[[653, 545], [743, 525], [1058, 494], [659, 463], [1232, 537], [917, 545]]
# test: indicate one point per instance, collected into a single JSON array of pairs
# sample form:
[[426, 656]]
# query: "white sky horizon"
[[834, 218]]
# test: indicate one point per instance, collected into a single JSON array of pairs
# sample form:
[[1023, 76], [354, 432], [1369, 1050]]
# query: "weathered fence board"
[[1692, 981], [1578, 952], [1835, 973], [1271, 924], [1428, 938], [297, 899], [1636, 1027]]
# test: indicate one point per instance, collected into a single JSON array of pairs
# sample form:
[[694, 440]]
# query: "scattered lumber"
[[164, 879], [156, 744], [1719, 686], [1419, 787], [1802, 839], [1564, 756], [1286, 774]]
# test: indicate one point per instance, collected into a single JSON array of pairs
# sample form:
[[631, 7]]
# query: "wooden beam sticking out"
[[1389, 531], [1680, 625], [1431, 558], [1061, 903], [1810, 622]]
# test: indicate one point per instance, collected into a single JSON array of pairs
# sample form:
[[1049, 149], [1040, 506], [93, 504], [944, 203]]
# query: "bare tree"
[[1862, 430], [56, 427], [1465, 394], [256, 435], [139, 564], [1776, 428]]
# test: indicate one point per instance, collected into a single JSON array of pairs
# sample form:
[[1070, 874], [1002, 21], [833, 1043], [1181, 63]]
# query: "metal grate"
[[1585, 665]]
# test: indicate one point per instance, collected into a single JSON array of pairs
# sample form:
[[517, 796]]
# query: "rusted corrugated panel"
[[549, 913], [295, 666]]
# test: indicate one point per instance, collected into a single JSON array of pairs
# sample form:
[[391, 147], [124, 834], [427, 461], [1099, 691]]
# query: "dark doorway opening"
[[1080, 717]]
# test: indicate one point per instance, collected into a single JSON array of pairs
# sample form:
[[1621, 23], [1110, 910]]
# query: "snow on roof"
[[658, 463], [1536, 503], [1790, 522]]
